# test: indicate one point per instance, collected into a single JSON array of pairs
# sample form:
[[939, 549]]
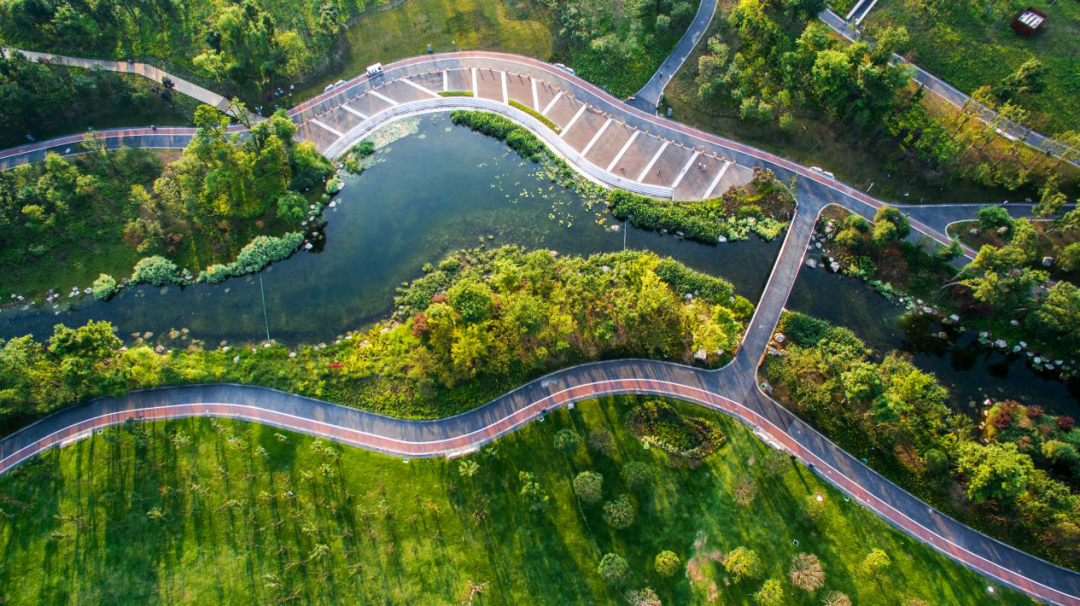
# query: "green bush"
[[619, 514], [613, 569], [363, 149], [804, 330], [993, 217], [104, 287], [517, 137], [649, 213], [687, 281], [567, 440], [667, 563], [155, 270], [637, 475], [589, 486], [257, 254], [292, 207], [535, 114]]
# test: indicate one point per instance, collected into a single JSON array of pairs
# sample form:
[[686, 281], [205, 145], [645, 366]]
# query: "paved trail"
[[960, 99], [648, 97], [615, 144], [129, 67]]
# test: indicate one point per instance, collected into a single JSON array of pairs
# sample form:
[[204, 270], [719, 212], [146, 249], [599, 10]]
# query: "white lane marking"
[[622, 151], [383, 97], [506, 96], [354, 112], [421, 87], [445, 80], [686, 168], [716, 181], [595, 138], [551, 105], [475, 85], [336, 132], [536, 98], [649, 166], [581, 110]]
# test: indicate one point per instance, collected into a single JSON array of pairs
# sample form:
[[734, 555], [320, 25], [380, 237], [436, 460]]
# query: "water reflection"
[[437, 190], [969, 370]]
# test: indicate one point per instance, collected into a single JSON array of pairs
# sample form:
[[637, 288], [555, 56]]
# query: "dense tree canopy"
[[37, 99], [249, 44], [786, 59]]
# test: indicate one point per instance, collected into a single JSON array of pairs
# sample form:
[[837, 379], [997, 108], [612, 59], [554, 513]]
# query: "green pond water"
[[438, 189]]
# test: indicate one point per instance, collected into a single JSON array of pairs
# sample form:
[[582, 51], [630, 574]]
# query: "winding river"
[[436, 189]]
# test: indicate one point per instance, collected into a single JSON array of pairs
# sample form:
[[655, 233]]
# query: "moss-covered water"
[[971, 372], [438, 189]]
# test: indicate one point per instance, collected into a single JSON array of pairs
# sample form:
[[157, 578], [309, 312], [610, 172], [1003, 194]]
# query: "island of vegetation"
[[1014, 475], [476, 326], [763, 207]]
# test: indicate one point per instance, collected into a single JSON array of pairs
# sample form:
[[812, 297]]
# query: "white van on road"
[[374, 70]]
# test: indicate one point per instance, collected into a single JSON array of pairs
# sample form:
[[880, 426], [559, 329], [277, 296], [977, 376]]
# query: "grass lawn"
[[969, 49], [405, 31], [228, 512]]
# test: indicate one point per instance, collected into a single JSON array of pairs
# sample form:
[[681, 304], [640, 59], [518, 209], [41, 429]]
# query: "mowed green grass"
[[252, 514], [406, 30], [970, 50]]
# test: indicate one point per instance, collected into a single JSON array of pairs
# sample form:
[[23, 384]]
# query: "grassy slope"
[[967, 50], [406, 30], [76, 527], [814, 142]]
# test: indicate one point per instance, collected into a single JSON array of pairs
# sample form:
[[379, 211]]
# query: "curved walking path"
[[180, 85], [648, 98], [669, 155]]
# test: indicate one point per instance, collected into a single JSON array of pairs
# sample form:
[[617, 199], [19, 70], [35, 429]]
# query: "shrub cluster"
[[517, 137], [257, 254]]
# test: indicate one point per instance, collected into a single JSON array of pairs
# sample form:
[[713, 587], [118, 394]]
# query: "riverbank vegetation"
[[1020, 486], [43, 101], [1006, 293], [220, 510], [476, 326], [783, 81], [762, 207], [200, 212], [878, 252], [970, 45]]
